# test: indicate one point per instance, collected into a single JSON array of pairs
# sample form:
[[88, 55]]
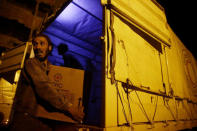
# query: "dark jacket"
[[36, 87]]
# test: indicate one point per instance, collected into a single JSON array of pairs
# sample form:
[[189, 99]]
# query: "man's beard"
[[42, 58], [37, 52]]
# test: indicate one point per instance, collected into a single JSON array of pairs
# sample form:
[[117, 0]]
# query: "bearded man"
[[36, 89]]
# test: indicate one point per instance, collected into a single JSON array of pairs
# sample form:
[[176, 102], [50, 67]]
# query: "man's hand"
[[77, 113]]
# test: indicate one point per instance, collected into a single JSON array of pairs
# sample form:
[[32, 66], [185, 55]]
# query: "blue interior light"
[[79, 26]]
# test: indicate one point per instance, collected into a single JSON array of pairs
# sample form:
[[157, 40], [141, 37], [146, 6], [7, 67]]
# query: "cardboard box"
[[69, 82]]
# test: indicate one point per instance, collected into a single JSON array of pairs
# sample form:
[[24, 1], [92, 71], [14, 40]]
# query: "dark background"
[[181, 16]]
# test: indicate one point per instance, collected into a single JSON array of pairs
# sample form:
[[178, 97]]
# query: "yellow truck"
[[141, 76]]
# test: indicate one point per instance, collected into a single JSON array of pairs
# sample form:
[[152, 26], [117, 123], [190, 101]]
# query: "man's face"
[[41, 48]]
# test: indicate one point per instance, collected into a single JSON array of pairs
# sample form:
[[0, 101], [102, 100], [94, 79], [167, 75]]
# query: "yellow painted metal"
[[7, 93], [146, 15], [160, 126], [7, 85], [180, 60], [151, 77], [136, 59]]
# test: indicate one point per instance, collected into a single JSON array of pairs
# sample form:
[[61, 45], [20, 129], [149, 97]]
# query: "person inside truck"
[[69, 60], [37, 89]]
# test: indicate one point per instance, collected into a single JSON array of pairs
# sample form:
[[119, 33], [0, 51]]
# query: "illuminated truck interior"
[[79, 26]]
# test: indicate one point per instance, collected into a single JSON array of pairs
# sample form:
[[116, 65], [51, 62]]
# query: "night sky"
[[181, 17]]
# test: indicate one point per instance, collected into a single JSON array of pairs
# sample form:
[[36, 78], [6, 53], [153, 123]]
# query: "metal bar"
[[125, 85]]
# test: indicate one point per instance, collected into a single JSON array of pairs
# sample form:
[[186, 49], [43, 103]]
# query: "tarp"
[[79, 26]]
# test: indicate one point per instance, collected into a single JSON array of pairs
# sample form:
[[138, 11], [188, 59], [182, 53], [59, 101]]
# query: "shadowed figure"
[[69, 60]]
